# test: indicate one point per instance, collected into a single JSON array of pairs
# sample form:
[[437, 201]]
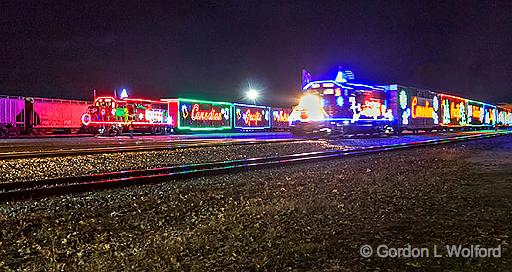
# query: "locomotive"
[[109, 116], [341, 106]]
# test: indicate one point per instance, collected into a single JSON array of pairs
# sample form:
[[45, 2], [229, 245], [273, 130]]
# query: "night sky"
[[213, 49]]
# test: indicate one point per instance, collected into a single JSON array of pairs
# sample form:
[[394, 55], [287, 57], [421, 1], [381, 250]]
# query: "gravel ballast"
[[311, 217], [51, 167]]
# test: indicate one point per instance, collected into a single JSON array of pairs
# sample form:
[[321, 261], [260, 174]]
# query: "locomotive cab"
[[341, 107], [110, 116]]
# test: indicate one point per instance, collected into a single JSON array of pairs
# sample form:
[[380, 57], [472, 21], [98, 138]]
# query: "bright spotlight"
[[252, 95], [252, 92]]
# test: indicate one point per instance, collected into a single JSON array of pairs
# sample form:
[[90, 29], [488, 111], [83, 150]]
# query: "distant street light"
[[252, 95]]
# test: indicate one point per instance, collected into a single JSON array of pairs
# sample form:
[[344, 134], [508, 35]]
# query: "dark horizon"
[[212, 51]]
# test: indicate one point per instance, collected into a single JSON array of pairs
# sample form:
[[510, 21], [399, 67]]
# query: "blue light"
[[124, 94], [367, 86], [339, 101], [250, 105], [340, 77], [393, 87], [349, 75], [316, 84], [361, 119]]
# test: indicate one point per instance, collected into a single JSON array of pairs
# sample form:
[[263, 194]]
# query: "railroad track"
[[58, 186], [133, 148]]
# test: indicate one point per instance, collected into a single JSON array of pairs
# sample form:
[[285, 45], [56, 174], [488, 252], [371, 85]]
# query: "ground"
[[311, 217]]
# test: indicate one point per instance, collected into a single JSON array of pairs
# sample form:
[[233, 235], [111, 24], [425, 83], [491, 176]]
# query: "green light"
[[481, 103], [213, 103], [204, 101], [204, 128], [120, 112], [403, 99]]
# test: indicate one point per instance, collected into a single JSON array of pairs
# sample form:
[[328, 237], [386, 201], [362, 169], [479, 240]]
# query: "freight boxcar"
[[199, 115], [414, 109], [458, 112], [249, 117], [281, 118], [12, 110], [480, 114], [504, 115], [56, 114], [40, 115]]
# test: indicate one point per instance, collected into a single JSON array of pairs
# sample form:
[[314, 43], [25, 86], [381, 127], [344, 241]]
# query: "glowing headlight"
[[311, 107], [310, 101]]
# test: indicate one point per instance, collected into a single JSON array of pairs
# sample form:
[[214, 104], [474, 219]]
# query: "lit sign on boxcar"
[[419, 111], [454, 110], [281, 117], [204, 115], [251, 116]]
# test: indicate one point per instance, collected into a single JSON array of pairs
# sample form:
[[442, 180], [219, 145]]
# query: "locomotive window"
[[140, 106], [159, 106]]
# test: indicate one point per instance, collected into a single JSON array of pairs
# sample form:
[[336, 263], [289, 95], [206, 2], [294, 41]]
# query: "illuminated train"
[[343, 107], [111, 116], [336, 106]]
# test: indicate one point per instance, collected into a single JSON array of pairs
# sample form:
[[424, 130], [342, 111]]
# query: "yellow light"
[[328, 91], [312, 105]]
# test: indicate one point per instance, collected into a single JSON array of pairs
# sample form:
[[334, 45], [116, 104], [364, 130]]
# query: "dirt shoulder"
[[311, 217]]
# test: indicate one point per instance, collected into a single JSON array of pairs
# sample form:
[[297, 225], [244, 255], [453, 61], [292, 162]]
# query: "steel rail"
[[133, 148], [58, 186]]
